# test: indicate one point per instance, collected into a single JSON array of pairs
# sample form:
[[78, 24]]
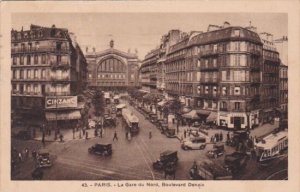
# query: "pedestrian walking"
[[20, 157], [34, 132], [43, 139], [61, 137], [184, 133], [86, 135], [34, 154], [115, 136], [101, 132], [150, 134], [221, 136], [26, 153], [228, 136], [215, 139]]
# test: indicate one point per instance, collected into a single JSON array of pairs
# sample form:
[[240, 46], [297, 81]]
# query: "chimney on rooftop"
[[226, 24]]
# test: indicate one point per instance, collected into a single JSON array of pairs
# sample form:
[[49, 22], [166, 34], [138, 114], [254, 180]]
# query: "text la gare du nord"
[[143, 184]]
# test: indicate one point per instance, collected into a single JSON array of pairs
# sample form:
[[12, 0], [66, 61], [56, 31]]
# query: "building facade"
[[270, 78], [283, 90], [227, 74], [112, 69], [48, 72]]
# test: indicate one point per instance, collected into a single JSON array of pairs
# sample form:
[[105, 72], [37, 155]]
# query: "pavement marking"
[[153, 177], [85, 171], [97, 162], [100, 169], [145, 146], [276, 173]]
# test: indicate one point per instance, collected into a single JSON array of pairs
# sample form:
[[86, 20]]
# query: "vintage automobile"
[[109, 120], [37, 174], [238, 137], [170, 133], [119, 109], [218, 150], [196, 124], [92, 124], [101, 149], [194, 143], [43, 158], [165, 158], [153, 117], [208, 170], [236, 161]]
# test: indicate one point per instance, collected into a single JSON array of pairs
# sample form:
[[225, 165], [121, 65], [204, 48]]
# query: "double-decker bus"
[[271, 146]]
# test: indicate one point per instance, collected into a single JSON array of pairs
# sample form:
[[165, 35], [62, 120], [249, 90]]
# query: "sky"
[[143, 31]]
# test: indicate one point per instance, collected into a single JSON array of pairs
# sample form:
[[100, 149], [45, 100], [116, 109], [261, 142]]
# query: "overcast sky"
[[142, 31]]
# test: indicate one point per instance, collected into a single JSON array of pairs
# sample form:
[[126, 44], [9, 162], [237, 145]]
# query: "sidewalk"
[[257, 132], [67, 134]]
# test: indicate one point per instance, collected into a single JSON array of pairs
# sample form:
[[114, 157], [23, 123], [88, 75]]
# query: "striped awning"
[[212, 117], [52, 116], [203, 112]]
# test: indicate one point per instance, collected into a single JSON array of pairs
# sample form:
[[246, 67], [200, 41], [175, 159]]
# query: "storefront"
[[232, 120], [62, 112], [63, 119]]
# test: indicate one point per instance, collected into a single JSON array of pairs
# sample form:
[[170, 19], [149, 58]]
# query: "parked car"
[[218, 150], [170, 133], [92, 124], [101, 149], [43, 158], [238, 137], [196, 124], [208, 170], [194, 143], [166, 157], [236, 161]]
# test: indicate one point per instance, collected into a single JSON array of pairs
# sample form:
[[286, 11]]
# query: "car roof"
[[168, 152], [103, 144], [197, 138], [43, 151]]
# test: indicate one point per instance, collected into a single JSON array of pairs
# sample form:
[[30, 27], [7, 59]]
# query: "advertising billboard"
[[61, 102]]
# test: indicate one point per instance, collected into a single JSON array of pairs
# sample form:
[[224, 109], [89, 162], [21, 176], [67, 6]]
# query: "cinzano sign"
[[61, 102]]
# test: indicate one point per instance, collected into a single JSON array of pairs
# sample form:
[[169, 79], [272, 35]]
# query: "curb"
[[63, 140]]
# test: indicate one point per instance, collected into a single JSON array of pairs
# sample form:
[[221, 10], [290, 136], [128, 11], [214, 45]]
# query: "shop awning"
[[191, 115], [203, 112], [185, 110], [211, 117], [52, 116], [120, 106], [268, 110], [161, 103]]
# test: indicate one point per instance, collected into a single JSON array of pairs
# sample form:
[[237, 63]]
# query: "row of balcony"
[[215, 52], [39, 49], [38, 94], [42, 79]]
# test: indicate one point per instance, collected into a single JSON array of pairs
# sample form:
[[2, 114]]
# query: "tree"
[[98, 102], [175, 106]]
